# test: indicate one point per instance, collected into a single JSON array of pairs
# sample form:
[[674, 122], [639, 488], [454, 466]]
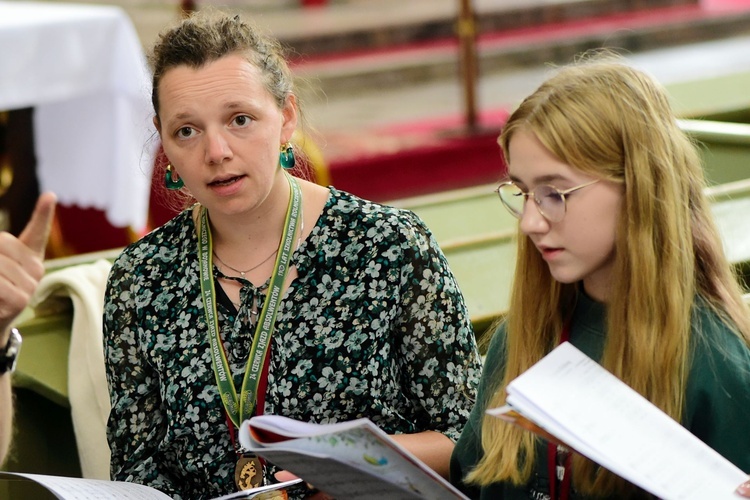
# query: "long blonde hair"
[[615, 122]]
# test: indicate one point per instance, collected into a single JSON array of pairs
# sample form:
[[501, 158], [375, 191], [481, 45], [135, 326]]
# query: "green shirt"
[[717, 398]]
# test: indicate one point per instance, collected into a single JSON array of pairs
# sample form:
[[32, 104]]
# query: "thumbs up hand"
[[22, 262]]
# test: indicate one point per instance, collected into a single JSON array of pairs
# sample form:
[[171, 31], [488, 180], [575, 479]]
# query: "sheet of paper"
[[346, 460], [574, 398], [290, 428], [342, 480], [70, 488]]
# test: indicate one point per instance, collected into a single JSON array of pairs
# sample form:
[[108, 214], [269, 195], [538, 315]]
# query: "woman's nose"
[[217, 148], [532, 220]]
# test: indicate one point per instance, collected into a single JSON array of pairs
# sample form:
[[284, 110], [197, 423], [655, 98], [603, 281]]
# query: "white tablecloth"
[[83, 70]]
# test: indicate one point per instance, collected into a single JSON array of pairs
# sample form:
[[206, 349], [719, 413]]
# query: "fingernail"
[[744, 489]]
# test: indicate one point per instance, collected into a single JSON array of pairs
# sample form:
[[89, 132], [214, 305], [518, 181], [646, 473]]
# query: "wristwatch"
[[9, 353]]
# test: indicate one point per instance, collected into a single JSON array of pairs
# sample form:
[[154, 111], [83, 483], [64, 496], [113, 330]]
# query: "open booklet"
[[352, 459], [571, 399], [72, 488]]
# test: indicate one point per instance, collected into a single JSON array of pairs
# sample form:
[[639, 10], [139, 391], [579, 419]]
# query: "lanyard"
[[559, 472], [258, 408], [239, 409]]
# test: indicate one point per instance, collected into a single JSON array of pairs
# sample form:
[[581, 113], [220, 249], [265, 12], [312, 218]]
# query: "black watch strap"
[[9, 353]]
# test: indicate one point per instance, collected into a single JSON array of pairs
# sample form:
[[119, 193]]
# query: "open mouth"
[[550, 252], [226, 182]]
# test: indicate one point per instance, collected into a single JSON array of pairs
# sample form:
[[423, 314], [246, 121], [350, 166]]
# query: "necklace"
[[242, 273]]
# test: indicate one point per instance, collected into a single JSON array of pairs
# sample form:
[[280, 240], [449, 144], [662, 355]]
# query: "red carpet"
[[417, 158]]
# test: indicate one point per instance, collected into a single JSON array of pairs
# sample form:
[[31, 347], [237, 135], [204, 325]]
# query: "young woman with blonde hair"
[[619, 255]]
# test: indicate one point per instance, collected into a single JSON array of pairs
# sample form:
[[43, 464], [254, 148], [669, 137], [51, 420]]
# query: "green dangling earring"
[[286, 156], [170, 182]]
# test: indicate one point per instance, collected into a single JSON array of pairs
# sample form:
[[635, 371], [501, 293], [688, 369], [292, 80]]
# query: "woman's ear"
[[157, 124], [289, 116]]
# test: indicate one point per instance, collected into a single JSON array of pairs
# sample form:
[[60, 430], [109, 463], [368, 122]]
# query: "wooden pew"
[[725, 148], [717, 97]]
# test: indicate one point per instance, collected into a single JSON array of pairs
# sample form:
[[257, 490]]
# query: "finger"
[[284, 475], [16, 287], [36, 232]]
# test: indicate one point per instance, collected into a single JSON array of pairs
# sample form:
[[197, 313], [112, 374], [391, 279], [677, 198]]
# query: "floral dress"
[[374, 326]]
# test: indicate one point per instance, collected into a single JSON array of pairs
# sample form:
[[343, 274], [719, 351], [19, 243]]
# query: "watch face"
[[9, 354]]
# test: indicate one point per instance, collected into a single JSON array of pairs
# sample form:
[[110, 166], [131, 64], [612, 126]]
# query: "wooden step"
[[352, 26], [559, 43]]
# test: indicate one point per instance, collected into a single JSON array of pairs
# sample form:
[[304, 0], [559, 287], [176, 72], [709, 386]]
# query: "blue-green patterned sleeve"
[[137, 423], [438, 348]]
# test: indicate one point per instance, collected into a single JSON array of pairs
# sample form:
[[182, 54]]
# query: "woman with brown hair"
[[269, 294]]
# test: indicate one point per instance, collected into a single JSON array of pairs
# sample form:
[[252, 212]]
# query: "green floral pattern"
[[373, 326]]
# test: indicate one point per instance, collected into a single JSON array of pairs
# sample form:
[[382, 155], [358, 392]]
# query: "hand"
[[22, 262], [312, 494], [744, 489]]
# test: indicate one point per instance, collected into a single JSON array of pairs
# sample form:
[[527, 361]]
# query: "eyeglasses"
[[549, 199]]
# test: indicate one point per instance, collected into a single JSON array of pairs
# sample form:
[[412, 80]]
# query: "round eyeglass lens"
[[551, 203], [513, 198]]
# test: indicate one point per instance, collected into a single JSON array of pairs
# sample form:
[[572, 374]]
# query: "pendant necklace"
[[243, 273]]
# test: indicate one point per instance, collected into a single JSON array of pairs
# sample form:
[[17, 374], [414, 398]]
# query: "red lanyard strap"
[[559, 472], [565, 334]]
